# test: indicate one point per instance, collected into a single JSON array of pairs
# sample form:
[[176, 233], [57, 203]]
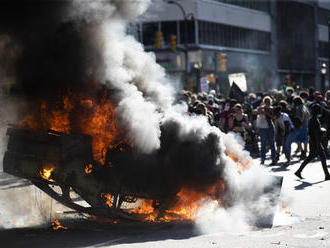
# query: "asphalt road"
[[26, 215]]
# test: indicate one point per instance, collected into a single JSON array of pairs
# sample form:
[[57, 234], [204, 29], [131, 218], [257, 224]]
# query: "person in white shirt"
[[265, 128]]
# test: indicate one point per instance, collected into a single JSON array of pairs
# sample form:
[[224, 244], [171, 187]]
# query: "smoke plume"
[[72, 43], [195, 150]]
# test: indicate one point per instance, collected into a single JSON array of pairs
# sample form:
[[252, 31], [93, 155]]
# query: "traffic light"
[[191, 84], [159, 39], [211, 78], [173, 42], [222, 62]]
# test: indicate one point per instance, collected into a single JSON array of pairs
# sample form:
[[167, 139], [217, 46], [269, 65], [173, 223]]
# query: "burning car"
[[104, 168], [99, 119]]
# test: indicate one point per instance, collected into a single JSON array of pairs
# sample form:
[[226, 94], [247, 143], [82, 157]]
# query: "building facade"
[[323, 27], [264, 39]]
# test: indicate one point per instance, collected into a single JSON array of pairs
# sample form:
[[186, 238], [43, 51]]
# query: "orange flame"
[[96, 118], [186, 208], [87, 103], [102, 219], [46, 118], [146, 209], [107, 197], [284, 208], [46, 173], [101, 126], [241, 163], [59, 120], [56, 225], [232, 157], [89, 169]]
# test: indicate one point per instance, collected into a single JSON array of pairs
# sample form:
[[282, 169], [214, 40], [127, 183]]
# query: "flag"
[[236, 93]]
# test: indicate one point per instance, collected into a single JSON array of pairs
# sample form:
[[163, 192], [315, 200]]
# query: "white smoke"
[[8, 116], [252, 205], [141, 119], [146, 101], [128, 71], [212, 219], [9, 50], [31, 206], [100, 10], [142, 83]]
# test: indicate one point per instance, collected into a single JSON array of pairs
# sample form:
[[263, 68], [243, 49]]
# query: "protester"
[[288, 81], [262, 118], [327, 95], [224, 116], [283, 126], [284, 107], [326, 125], [316, 148], [238, 121], [305, 95], [201, 109], [289, 93], [265, 128], [300, 117]]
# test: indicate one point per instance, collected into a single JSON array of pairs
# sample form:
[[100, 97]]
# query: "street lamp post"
[[323, 73], [185, 16], [198, 68]]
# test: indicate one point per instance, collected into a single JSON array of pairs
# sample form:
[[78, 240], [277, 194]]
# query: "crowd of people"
[[275, 119]]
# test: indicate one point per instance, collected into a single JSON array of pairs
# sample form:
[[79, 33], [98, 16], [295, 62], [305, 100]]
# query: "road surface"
[[305, 222]]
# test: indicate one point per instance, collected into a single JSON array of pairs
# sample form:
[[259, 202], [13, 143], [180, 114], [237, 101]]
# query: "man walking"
[[315, 146]]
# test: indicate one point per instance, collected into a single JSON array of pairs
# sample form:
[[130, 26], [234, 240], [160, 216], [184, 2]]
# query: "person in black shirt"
[[315, 146]]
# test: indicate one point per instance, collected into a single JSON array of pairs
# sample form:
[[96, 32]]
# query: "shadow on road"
[[283, 166], [304, 185], [86, 233], [10, 182], [280, 167]]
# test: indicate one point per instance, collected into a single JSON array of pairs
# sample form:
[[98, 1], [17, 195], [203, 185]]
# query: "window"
[[149, 33], [323, 49], [190, 33], [168, 29], [295, 36], [262, 5], [229, 36], [323, 16]]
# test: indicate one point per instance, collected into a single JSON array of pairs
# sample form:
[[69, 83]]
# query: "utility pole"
[[323, 74], [185, 18]]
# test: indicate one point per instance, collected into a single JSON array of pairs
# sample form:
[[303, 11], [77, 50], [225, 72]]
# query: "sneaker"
[[288, 161], [298, 174]]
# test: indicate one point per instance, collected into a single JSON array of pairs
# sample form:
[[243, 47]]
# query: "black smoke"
[[182, 161], [56, 53]]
